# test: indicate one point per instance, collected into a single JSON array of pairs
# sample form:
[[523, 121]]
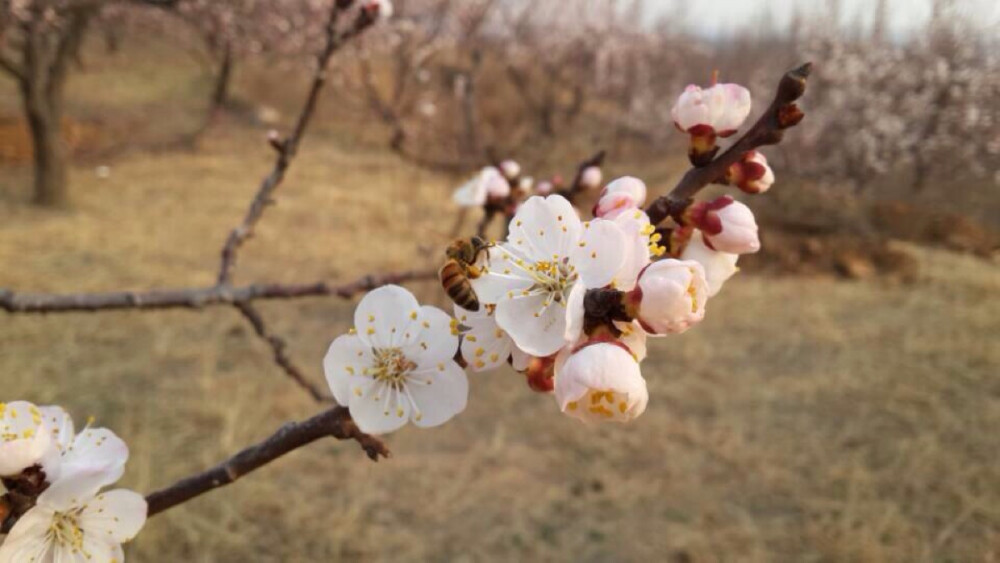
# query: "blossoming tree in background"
[[568, 296]]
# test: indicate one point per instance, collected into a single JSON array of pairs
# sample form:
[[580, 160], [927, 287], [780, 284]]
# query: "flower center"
[[65, 530], [602, 404], [555, 276], [391, 366]]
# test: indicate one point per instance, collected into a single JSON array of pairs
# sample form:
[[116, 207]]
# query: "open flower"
[[88, 461], [670, 297], [728, 225], [621, 195], [600, 381], [720, 110], [489, 184], [485, 346], [751, 174], [398, 365], [24, 439], [76, 526], [529, 277], [719, 266]]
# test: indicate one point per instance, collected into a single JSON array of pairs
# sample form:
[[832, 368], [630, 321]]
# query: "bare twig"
[[278, 345], [335, 423], [768, 130], [288, 148], [195, 297]]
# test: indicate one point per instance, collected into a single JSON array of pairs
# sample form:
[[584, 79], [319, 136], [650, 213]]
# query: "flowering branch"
[[782, 114], [335, 423]]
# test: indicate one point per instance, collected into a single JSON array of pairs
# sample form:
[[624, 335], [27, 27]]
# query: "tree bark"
[[50, 155], [223, 80]]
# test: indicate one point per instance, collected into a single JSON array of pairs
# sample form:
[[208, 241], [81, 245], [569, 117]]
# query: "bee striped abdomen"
[[457, 285]]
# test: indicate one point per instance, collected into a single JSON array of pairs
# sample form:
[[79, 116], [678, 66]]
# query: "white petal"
[[444, 397], [344, 365], [600, 254], [485, 346], [116, 515], [24, 440], [434, 339], [519, 359], [27, 540], [537, 325], [96, 459], [545, 228], [503, 276], [380, 409], [60, 424], [383, 314], [575, 313]]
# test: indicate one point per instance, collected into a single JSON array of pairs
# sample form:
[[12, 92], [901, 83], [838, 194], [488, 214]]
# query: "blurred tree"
[[39, 39]]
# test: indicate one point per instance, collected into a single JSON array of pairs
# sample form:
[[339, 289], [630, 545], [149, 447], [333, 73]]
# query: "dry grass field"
[[807, 419]]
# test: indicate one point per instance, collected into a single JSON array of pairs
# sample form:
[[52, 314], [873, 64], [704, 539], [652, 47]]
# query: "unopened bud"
[[728, 225], [510, 169], [591, 177], [751, 174], [670, 296]]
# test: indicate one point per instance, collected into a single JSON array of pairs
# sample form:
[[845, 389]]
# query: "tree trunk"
[[220, 94], [44, 121]]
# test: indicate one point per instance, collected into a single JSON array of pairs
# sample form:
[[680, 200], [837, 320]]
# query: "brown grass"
[[806, 419]]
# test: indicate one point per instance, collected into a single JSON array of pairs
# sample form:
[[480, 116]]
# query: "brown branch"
[[335, 423], [193, 298], [768, 130], [278, 345], [288, 148]]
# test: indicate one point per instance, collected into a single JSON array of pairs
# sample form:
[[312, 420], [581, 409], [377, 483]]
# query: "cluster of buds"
[[53, 507]]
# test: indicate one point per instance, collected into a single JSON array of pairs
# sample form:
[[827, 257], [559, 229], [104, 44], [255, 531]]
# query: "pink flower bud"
[[379, 9], [543, 188], [719, 266], [728, 225], [613, 205], [751, 174], [633, 187], [510, 169], [591, 177], [600, 381], [670, 297], [722, 108]]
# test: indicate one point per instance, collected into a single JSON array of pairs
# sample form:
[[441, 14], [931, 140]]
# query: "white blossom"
[[90, 527], [600, 381], [529, 276], [398, 365]]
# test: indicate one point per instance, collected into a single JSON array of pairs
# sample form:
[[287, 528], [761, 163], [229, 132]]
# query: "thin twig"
[[768, 130], [278, 345], [288, 148], [194, 297], [335, 423]]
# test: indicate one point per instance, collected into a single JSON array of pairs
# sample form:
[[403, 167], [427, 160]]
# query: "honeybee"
[[460, 268]]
